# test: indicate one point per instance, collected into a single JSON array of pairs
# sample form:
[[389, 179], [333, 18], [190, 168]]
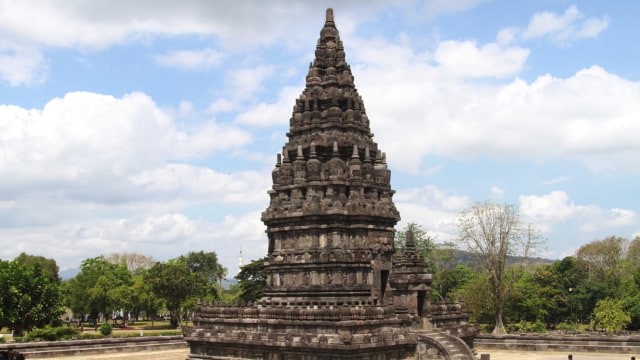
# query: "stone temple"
[[335, 287]]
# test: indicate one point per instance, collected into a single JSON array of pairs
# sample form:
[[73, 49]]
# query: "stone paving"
[[548, 355], [181, 354]]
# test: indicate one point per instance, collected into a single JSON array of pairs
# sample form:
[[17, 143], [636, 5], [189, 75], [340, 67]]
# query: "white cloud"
[[244, 83], [568, 27], [589, 117], [191, 59], [21, 65], [270, 114], [183, 182], [176, 233], [556, 209], [497, 192], [97, 25], [98, 140], [466, 59], [432, 170], [436, 210]]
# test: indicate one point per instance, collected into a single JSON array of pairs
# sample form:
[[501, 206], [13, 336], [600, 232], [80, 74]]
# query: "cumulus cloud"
[[270, 114], [435, 209], [589, 116], [183, 182], [86, 139], [21, 65], [97, 25], [466, 59], [70, 243], [564, 28], [556, 208]]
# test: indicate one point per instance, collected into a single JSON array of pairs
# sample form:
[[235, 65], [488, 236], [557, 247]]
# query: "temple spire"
[[329, 19]]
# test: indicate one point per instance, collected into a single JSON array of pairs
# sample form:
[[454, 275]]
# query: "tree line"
[[503, 288], [127, 286], [507, 290]]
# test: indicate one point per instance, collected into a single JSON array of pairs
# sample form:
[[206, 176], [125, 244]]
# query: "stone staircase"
[[440, 345]]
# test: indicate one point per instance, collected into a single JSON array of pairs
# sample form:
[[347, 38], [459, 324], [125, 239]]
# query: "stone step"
[[101, 346]]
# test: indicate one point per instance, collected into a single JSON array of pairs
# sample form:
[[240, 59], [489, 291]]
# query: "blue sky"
[[152, 127]]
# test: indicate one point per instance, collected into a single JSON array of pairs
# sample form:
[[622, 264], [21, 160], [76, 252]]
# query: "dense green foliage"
[[252, 279], [106, 329], [569, 295], [52, 334], [609, 315], [101, 287], [29, 297]]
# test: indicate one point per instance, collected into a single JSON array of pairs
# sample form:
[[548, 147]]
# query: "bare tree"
[[134, 262], [494, 232]]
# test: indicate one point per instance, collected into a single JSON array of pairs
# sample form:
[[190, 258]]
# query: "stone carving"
[[335, 287]]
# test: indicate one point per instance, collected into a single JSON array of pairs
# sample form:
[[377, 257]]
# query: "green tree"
[[474, 292], [535, 297], [252, 279], [609, 314], [633, 253], [206, 266], [425, 243], [449, 280], [49, 267], [28, 297], [144, 300], [91, 290], [605, 262], [175, 284], [493, 232]]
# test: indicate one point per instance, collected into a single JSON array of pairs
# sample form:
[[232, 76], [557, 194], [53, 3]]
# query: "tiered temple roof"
[[335, 288]]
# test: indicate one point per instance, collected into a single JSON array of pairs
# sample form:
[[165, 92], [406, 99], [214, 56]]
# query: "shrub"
[[527, 327], [609, 314], [106, 329], [52, 334], [569, 328]]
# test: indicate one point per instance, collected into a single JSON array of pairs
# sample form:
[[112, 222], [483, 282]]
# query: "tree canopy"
[[252, 279], [28, 296]]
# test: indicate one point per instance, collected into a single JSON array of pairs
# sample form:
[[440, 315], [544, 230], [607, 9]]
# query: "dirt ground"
[[181, 354]]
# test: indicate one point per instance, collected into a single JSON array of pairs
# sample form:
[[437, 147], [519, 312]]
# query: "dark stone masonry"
[[335, 287]]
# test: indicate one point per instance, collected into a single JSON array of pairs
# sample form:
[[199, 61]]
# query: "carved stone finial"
[[410, 245], [279, 160], [329, 16], [355, 155]]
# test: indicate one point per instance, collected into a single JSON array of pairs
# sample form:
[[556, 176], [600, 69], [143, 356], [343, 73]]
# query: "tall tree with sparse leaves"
[[493, 232]]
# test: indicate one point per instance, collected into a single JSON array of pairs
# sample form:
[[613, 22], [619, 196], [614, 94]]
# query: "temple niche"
[[335, 287]]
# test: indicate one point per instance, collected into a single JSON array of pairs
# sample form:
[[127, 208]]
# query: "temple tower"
[[335, 288], [331, 219]]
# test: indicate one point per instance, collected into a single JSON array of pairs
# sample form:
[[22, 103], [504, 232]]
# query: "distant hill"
[[463, 257], [68, 273]]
